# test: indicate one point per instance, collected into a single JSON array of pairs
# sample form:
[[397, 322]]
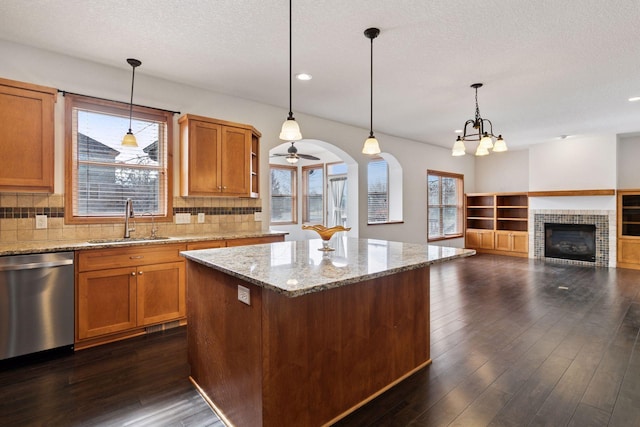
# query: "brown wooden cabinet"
[[120, 291], [218, 158], [26, 137], [479, 239], [628, 225], [497, 223], [512, 241]]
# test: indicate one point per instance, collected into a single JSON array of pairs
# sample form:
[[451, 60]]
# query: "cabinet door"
[[235, 161], [486, 240], [629, 251], [504, 241], [161, 293], [203, 158], [106, 301], [520, 242], [26, 137]]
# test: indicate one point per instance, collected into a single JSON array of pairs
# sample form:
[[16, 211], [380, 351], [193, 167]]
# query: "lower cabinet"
[[512, 241], [629, 253], [479, 239], [121, 291], [148, 287]]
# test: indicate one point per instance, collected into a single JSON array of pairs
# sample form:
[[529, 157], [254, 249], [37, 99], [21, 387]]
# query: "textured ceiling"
[[550, 67]]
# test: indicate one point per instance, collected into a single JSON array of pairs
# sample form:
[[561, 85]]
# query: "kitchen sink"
[[127, 240]]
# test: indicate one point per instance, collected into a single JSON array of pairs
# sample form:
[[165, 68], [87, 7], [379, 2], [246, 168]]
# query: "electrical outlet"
[[257, 216], [41, 221], [183, 218], [200, 218], [244, 295]]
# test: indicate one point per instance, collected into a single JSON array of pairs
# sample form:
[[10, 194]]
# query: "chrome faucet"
[[128, 213]]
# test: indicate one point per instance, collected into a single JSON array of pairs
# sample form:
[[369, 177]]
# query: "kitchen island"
[[285, 334]]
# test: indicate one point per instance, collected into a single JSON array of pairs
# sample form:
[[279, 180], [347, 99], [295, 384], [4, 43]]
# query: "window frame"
[[294, 194], [459, 205], [305, 191], [120, 109]]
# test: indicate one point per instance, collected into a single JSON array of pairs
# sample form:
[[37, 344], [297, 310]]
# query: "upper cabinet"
[[218, 158], [26, 137]]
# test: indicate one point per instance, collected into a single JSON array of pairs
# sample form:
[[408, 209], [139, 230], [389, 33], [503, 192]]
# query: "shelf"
[[480, 206], [512, 207], [512, 219]]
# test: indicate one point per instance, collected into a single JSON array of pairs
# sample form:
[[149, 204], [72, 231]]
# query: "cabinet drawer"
[[209, 244], [254, 240], [98, 259]]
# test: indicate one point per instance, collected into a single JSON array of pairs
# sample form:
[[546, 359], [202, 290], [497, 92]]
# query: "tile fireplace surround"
[[604, 220]]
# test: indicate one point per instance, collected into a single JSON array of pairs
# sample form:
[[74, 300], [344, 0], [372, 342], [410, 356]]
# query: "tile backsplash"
[[18, 222]]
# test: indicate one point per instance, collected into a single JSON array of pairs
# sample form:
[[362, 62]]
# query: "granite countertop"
[[32, 247], [296, 268]]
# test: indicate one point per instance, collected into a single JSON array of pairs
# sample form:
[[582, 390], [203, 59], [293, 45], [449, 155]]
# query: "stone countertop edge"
[[195, 256], [46, 246]]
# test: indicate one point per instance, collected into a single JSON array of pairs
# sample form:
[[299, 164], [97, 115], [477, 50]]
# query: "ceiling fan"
[[292, 155]]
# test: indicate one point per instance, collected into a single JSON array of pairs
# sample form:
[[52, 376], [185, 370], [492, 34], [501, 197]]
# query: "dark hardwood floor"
[[510, 347]]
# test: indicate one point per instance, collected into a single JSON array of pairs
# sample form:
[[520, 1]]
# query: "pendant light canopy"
[[290, 130], [371, 145], [484, 134], [129, 139]]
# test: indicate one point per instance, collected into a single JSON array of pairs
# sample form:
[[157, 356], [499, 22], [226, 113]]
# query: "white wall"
[[575, 163], [503, 172], [628, 162], [76, 75]]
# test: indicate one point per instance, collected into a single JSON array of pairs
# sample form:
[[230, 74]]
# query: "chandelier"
[[483, 133]]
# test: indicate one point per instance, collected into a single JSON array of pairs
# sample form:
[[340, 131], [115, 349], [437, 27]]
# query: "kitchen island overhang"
[[323, 333]]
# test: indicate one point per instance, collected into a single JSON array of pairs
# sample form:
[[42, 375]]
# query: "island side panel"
[[328, 352], [224, 343]]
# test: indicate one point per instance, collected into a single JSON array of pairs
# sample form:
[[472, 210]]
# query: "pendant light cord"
[[290, 63], [133, 76], [371, 92]]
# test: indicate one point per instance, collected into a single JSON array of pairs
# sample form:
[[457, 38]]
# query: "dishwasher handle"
[[34, 265]]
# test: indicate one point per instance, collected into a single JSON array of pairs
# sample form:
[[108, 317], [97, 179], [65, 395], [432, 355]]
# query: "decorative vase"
[[325, 234]]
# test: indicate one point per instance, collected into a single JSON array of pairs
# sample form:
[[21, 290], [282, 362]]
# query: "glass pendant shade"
[[292, 159], [458, 148], [290, 131], [129, 140], [481, 151], [486, 141], [371, 146], [500, 145]]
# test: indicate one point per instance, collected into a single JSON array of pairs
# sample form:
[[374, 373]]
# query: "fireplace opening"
[[570, 241]]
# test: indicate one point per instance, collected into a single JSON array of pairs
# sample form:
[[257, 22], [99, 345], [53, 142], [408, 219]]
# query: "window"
[[283, 194], [377, 191], [337, 190], [102, 174], [313, 194], [444, 201]]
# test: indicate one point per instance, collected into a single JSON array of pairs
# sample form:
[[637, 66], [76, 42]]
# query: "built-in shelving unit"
[[629, 229], [497, 223]]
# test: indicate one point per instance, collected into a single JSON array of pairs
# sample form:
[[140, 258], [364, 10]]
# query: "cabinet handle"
[[133, 273], [136, 257], [139, 273], [219, 187], [224, 187]]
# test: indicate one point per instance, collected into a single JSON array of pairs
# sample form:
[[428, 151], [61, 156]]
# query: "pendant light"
[[371, 145], [290, 130], [129, 139], [484, 134]]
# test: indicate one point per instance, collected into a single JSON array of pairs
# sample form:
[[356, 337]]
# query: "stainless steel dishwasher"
[[36, 303]]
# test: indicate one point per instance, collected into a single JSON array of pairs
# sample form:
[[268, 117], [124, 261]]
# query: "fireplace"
[[570, 241], [604, 222]]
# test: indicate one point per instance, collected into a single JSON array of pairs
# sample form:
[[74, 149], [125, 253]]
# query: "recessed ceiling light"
[[634, 99], [458, 131], [304, 76]]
